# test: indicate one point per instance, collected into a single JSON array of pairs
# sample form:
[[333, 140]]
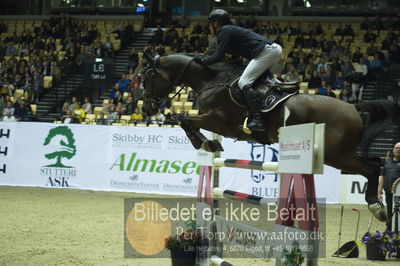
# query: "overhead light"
[[140, 5], [218, 1], [240, 1]]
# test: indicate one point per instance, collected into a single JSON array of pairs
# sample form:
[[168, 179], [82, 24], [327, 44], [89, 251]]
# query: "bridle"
[[157, 102]]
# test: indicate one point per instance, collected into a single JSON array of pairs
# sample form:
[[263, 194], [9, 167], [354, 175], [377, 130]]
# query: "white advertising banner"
[[132, 159], [352, 189], [149, 160]]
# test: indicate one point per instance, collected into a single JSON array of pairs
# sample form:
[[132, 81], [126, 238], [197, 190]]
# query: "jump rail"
[[246, 164], [230, 194], [215, 260]]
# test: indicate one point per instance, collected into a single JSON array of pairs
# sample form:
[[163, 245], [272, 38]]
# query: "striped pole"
[[246, 164], [215, 260], [230, 194]]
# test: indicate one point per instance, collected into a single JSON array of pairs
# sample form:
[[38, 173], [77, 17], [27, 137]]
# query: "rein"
[[161, 102], [177, 79]]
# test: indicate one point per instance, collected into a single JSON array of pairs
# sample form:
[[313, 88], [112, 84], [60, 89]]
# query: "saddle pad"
[[272, 98]]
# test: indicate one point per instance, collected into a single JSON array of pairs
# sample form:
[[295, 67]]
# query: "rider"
[[262, 53]]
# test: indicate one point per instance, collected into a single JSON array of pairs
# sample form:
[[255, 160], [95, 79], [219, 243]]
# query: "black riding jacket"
[[390, 171], [237, 41]]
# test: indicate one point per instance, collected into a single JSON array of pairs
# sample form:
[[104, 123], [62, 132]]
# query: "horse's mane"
[[232, 66]]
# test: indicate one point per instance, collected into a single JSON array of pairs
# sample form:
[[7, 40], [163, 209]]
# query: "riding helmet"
[[219, 15]]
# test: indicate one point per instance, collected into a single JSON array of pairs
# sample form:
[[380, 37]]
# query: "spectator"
[[64, 109], [315, 81], [158, 119], [345, 95], [101, 120], [37, 85], [301, 67], [172, 117], [107, 103], [130, 106], [9, 118], [131, 75], [347, 87], [80, 113], [22, 111], [329, 91], [80, 61], [120, 108], [293, 75], [74, 104], [8, 88], [322, 73], [108, 48], [375, 67], [361, 69], [9, 109], [117, 98], [339, 82], [137, 116], [71, 118], [357, 55], [26, 84], [182, 114], [137, 92], [123, 83], [336, 66], [330, 78], [347, 67], [87, 106], [334, 53], [113, 115], [322, 90], [322, 64]]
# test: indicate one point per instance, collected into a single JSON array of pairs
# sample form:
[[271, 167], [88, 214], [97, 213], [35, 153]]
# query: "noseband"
[[157, 102]]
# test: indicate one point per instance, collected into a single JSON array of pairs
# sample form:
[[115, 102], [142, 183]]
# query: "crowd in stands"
[[58, 47]]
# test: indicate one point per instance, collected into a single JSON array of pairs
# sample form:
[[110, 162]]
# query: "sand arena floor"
[[43, 226]]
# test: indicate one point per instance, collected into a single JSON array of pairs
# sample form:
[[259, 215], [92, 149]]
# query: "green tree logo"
[[66, 144]]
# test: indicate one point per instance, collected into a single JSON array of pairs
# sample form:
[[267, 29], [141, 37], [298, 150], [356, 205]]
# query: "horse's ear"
[[149, 59]]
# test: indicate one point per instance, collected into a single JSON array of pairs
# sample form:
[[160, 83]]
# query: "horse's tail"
[[382, 113]]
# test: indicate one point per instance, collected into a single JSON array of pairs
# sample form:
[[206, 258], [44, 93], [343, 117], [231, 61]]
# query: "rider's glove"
[[199, 59]]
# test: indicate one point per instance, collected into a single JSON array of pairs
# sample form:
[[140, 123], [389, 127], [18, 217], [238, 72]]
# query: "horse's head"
[[160, 81], [157, 86]]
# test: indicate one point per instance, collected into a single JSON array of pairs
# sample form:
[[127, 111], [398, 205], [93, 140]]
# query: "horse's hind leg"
[[192, 126], [368, 167]]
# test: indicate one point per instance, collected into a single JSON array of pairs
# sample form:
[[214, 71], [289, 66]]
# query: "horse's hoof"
[[212, 146], [378, 210]]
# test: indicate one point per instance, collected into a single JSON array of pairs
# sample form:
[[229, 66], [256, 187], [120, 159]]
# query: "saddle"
[[270, 90]]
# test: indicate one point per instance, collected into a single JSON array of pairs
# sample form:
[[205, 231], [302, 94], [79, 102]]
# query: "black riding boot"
[[256, 122]]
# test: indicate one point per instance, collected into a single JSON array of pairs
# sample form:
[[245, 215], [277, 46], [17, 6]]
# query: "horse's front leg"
[[192, 126]]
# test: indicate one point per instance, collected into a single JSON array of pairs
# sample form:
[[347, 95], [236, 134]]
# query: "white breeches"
[[266, 59]]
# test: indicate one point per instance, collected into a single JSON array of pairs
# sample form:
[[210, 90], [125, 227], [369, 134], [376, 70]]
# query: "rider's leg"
[[267, 58]]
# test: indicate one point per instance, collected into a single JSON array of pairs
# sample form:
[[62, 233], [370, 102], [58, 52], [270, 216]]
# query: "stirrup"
[[246, 130], [290, 86]]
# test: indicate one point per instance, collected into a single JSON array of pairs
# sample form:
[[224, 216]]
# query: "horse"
[[218, 113]]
